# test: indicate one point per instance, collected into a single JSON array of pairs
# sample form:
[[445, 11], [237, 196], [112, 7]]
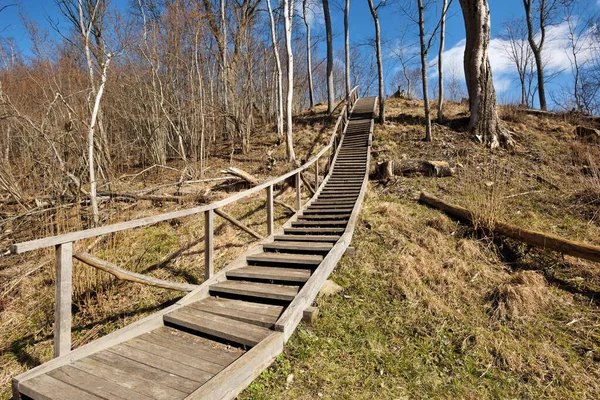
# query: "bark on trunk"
[[424, 49], [484, 122], [279, 82], [288, 14], [441, 64], [347, 48], [381, 117], [329, 35], [311, 92]]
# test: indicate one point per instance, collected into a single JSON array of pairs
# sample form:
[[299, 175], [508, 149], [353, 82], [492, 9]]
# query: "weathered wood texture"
[[534, 238]]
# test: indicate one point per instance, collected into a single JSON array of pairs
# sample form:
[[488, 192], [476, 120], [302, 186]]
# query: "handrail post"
[[209, 223], [298, 192], [316, 175], [270, 210], [62, 299]]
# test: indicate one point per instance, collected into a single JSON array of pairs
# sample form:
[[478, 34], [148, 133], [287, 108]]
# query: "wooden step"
[[319, 211], [256, 289], [298, 247], [307, 238], [274, 274], [259, 314], [324, 217], [314, 231], [217, 326], [300, 224], [284, 259]]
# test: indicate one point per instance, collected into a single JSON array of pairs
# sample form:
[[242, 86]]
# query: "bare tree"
[[519, 52], [374, 9], [288, 15], [445, 6], [347, 47], [329, 35], [545, 14], [279, 82], [484, 122], [311, 93]]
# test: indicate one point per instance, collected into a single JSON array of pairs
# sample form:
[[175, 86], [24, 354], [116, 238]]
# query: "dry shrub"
[[485, 187], [523, 295], [441, 223]]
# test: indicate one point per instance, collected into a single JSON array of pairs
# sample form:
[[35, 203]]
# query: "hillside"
[[430, 307]]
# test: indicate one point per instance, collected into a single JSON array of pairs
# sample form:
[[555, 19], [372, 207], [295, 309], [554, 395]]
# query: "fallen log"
[[238, 173], [307, 184], [284, 205], [124, 275], [534, 238], [237, 223]]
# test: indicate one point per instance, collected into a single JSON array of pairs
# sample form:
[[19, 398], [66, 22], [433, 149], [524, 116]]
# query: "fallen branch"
[[252, 180], [308, 185], [124, 275], [534, 238], [282, 204], [237, 223]]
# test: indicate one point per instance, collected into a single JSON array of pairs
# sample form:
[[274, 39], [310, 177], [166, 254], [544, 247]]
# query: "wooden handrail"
[[137, 223]]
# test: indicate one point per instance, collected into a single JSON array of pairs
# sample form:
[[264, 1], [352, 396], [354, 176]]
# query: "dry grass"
[[524, 295]]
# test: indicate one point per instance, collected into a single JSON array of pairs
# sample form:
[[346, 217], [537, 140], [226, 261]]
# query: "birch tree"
[[347, 48], [288, 15], [279, 82], [484, 122], [373, 9], [329, 35], [311, 93], [445, 6]]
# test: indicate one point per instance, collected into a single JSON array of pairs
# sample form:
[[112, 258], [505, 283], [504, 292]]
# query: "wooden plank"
[[169, 366], [298, 246], [137, 384], [257, 289], [229, 383], [160, 348], [209, 228], [270, 310], [312, 231], [310, 315], [62, 299], [271, 274], [238, 224], [93, 384], [318, 217], [208, 349], [287, 259], [131, 276], [307, 238], [218, 326], [44, 387], [270, 209], [319, 211], [326, 223], [239, 313], [128, 366], [298, 192]]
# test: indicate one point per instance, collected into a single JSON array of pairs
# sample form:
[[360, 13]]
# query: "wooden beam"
[[270, 210], [534, 238], [209, 228], [298, 192], [310, 315], [237, 223], [131, 276], [62, 300]]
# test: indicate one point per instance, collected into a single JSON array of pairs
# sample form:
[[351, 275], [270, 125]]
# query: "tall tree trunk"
[[311, 92], [424, 49], [381, 117], [347, 47], [441, 64], [279, 75], [329, 35], [288, 14], [484, 122], [537, 48]]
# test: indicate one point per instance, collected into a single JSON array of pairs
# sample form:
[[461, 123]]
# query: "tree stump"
[[384, 169]]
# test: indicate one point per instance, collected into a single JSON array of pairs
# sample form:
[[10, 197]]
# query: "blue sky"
[[361, 23]]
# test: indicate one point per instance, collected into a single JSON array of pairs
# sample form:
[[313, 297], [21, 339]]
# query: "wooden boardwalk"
[[217, 339]]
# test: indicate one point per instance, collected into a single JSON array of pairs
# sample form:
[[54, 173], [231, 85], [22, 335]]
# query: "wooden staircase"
[[217, 339]]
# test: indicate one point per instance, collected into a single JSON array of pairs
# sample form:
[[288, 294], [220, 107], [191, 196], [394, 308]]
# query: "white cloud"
[[556, 53]]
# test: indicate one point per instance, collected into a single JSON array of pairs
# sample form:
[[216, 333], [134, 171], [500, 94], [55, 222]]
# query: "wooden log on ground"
[[284, 205], [131, 276], [252, 180], [534, 238], [308, 185], [237, 223]]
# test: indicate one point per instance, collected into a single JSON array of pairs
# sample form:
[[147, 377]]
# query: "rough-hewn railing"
[[64, 243]]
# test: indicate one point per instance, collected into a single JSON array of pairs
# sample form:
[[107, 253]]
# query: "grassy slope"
[[430, 309]]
